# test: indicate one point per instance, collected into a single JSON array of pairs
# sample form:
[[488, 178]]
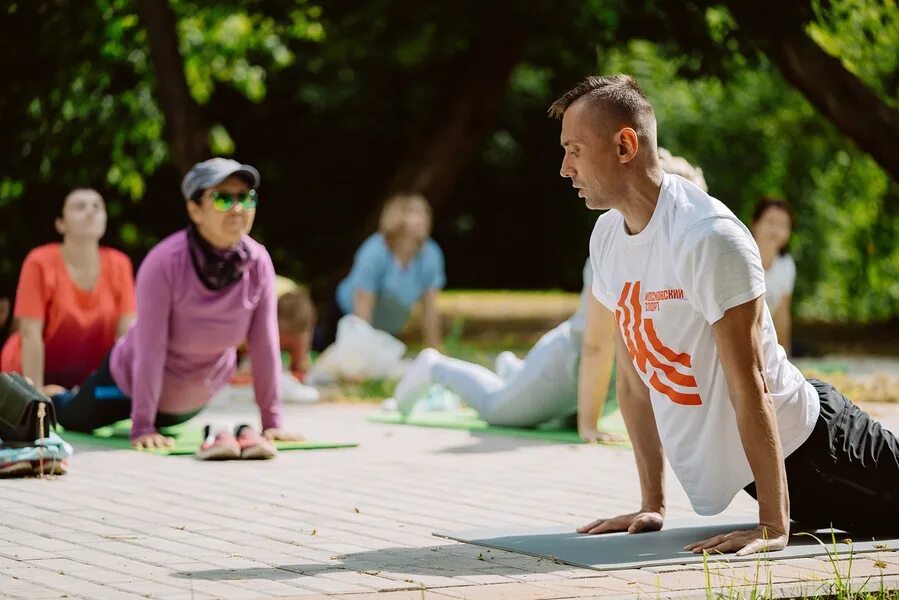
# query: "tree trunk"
[[843, 98], [431, 167], [185, 127]]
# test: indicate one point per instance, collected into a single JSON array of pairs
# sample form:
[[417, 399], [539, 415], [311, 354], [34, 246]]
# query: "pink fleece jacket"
[[181, 349]]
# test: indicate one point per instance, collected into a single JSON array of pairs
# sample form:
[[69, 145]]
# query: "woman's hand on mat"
[[152, 440], [638, 522], [592, 435], [280, 435], [760, 539]]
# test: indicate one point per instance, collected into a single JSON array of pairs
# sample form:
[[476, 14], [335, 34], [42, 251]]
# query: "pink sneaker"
[[218, 444], [254, 446]]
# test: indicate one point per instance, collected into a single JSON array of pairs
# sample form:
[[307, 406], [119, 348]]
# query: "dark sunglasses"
[[225, 201]]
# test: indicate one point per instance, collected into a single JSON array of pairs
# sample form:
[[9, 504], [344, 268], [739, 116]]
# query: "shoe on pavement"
[[252, 445], [218, 443], [416, 381]]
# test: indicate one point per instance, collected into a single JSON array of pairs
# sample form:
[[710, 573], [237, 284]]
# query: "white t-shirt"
[[667, 285], [780, 279]]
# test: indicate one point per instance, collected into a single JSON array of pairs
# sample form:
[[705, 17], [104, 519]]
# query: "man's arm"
[[783, 322], [738, 336], [595, 371], [636, 408], [430, 320]]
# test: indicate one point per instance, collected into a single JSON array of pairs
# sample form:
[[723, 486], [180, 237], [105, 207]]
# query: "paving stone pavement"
[[351, 523]]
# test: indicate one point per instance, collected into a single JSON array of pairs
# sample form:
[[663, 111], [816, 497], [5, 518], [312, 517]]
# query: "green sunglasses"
[[225, 201]]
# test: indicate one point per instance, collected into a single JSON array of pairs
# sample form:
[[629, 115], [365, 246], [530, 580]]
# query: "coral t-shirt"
[[79, 325]]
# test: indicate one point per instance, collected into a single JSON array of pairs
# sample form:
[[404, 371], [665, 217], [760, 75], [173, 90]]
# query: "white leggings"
[[541, 387]]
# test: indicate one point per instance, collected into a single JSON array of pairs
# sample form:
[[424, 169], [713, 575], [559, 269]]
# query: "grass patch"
[[722, 582]]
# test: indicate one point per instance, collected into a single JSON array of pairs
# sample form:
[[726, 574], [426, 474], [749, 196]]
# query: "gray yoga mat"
[[666, 547]]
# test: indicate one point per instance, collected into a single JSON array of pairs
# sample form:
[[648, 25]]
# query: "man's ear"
[[60, 226], [628, 144]]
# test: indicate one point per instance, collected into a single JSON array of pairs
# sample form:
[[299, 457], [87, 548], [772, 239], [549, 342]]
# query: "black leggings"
[[99, 402], [847, 473]]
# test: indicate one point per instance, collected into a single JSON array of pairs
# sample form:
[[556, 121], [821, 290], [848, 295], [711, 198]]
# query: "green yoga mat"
[[187, 439], [467, 419]]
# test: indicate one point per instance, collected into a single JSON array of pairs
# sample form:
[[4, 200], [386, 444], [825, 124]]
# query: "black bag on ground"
[[26, 414]]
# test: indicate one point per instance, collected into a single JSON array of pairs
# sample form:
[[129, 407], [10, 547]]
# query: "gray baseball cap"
[[212, 172]]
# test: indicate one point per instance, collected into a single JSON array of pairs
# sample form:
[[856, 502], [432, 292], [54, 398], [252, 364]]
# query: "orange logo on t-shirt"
[[650, 355], [652, 300]]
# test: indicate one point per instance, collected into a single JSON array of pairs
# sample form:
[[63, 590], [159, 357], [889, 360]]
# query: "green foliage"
[[327, 98], [224, 45], [753, 136], [79, 108], [864, 34]]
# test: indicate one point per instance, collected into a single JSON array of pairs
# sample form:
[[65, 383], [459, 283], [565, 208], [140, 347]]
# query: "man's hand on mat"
[[760, 539], [280, 435], [152, 440], [638, 522], [592, 435]]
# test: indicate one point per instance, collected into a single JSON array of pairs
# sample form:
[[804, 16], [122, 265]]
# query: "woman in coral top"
[[73, 299]]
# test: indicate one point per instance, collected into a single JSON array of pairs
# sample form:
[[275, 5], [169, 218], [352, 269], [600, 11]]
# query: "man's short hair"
[[617, 96]]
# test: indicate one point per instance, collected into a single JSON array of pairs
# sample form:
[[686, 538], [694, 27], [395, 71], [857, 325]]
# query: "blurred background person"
[[678, 165], [524, 393], [296, 323], [393, 270], [772, 224], [74, 298]]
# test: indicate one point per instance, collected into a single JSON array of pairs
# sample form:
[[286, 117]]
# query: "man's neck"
[[642, 196]]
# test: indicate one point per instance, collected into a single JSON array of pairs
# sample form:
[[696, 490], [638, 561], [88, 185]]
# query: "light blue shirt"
[[397, 288]]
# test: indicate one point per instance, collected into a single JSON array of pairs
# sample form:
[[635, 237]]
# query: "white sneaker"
[[416, 381], [438, 399], [294, 390]]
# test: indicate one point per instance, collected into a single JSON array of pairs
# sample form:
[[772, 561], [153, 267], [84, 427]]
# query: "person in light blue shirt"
[[394, 269]]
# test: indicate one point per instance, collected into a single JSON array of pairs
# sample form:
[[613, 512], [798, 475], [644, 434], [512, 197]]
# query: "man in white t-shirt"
[[701, 378]]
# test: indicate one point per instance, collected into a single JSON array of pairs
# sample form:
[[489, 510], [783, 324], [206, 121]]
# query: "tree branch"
[[857, 111]]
